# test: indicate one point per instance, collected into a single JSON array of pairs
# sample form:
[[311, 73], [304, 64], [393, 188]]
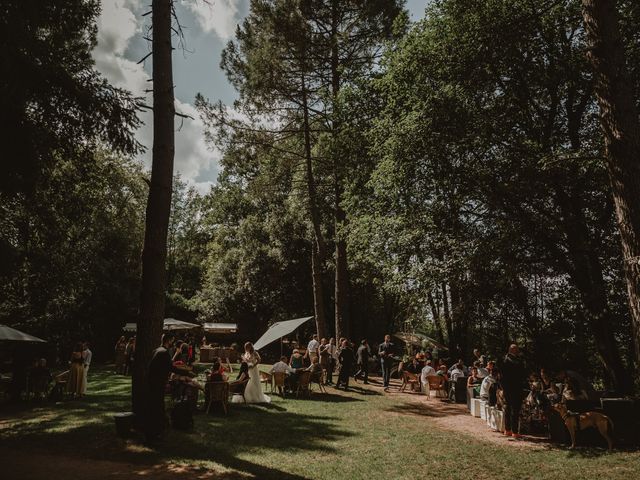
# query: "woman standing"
[[121, 358], [253, 392], [325, 357], [129, 354], [75, 385]]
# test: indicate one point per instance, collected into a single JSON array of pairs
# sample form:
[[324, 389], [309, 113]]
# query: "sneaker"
[[508, 433]]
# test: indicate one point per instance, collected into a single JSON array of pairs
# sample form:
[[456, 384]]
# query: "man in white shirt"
[[333, 359], [281, 367], [312, 348], [427, 371], [457, 372], [482, 372], [485, 386], [86, 360]]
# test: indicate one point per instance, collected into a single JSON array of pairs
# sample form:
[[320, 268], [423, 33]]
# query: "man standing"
[[346, 364], [333, 359], [514, 377], [385, 352], [159, 369], [362, 356], [312, 348], [87, 355], [426, 372]]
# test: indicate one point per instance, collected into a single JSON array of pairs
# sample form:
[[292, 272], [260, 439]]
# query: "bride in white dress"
[[253, 393]]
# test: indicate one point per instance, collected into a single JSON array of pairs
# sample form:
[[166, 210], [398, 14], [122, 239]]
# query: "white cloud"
[[218, 16], [117, 27]]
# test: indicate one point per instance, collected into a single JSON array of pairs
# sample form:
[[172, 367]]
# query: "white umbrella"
[[173, 324], [279, 330], [8, 334], [169, 324], [221, 327]]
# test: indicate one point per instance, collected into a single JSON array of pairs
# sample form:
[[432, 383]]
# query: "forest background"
[[444, 176]]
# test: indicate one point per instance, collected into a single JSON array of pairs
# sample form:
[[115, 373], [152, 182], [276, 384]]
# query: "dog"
[[580, 421]]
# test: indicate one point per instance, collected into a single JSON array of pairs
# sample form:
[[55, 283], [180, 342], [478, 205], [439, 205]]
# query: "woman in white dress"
[[253, 392]]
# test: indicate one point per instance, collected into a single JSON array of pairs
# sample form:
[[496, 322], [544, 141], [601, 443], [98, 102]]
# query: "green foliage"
[[71, 251], [54, 104], [487, 210]]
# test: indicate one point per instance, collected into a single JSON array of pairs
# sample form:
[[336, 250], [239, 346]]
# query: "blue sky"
[[208, 26]]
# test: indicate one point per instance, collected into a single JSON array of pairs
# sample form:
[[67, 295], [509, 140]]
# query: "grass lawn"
[[357, 435]]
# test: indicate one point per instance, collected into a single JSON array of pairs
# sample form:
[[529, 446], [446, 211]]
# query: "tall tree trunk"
[[342, 271], [447, 316], [435, 312], [318, 249], [154, 254], [586, 274], [619, 120]]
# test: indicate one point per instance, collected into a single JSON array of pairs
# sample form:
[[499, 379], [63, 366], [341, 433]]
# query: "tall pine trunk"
[[154, 254], [342, 271], [318, 249], [619, 120]]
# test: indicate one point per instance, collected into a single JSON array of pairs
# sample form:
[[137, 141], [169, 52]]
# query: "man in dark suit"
[[362, 359], [385, 352], [514, 378], [346, 364], [159, 368]]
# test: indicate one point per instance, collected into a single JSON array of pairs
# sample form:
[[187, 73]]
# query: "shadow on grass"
[[430, 408], [85, 428]]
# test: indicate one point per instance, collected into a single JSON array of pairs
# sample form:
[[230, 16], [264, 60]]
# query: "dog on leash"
[[579, 421]]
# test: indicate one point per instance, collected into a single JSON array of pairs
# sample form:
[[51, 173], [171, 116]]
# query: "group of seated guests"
[[294, 366], [424, 367]]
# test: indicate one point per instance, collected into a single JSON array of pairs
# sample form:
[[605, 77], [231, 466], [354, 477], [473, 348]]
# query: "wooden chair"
[[319, 379], [238, 388], [409, 378], [279, 380], [437, 383], [304, 380], [217, 392], [267, 379]]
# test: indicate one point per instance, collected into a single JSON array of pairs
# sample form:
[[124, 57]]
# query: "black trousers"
[[343, 376], [155, 418], [363, 370], [513, 399], [332, 367]]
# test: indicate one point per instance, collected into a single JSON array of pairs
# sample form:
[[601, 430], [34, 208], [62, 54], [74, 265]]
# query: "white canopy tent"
[[215, 327], [8, 334], [169, 324], [279, 330]]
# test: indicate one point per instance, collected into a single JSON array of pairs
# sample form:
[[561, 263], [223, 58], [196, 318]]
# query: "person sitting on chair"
[[474, 379], [487, 383], [315, 369], [414, 366]]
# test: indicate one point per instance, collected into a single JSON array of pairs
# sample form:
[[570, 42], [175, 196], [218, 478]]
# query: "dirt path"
[[453, 417]]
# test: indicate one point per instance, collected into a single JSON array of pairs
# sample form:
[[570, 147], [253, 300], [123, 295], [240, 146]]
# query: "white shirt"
[[456, 373], [427, 371], [486, 385], [313, 346], [280, 367], [87, 355], [482, 372], [333, 351]]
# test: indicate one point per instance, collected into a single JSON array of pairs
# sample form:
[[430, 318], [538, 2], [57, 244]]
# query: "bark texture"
[[154, 254], [619, 120]]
